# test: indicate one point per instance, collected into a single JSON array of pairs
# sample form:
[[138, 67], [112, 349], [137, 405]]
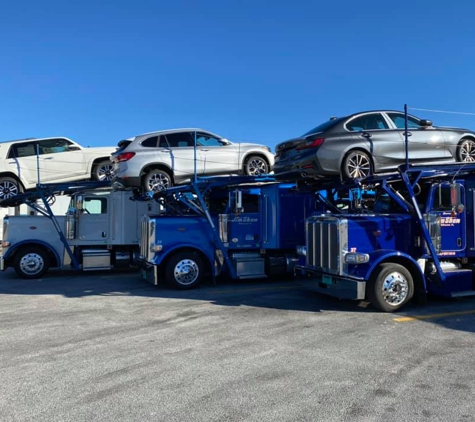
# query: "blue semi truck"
[[416, 235], [238, 227]]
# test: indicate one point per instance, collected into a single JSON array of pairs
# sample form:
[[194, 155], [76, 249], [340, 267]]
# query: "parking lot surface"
[[109, 347]]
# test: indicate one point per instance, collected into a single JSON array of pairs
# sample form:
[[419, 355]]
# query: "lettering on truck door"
[[452, 223]]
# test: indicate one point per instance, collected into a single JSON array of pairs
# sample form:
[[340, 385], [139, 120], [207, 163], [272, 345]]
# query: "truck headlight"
[[155, 248], [301, 250], [356, 258]]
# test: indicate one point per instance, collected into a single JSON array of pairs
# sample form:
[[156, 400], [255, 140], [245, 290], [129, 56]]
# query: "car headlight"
[[356, 258], [266, 149]]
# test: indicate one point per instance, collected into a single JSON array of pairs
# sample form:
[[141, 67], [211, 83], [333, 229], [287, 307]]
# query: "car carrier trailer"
[[237, 227], [100, 230], [415, 236]]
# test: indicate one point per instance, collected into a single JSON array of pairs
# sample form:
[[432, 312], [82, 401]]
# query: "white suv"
[[158, 160], [53, 160]]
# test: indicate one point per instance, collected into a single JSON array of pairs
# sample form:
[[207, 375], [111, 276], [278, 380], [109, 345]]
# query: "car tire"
[[156, 180], [184, 271], [356, 164], [31, 262], [256, 165], [390, 287], [466, 151], [9, 187], [103, 171]]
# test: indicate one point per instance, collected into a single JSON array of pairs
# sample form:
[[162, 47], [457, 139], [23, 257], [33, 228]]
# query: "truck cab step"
[[463, 294]]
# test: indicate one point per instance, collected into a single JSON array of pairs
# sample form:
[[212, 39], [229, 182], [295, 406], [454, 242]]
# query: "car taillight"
[[310, 143], [125, 156]]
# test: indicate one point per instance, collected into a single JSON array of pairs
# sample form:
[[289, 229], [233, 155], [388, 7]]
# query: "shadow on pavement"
[[286, 294], [295, 295]]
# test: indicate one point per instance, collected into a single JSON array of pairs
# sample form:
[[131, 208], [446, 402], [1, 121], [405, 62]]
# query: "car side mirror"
[[425, 123], [73, 148]]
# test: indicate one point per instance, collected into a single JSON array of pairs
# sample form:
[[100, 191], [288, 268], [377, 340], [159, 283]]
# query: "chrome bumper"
[[148, 272]]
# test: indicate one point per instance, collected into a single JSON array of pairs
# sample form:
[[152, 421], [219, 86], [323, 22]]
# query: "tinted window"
[[122, 145], [26, 149], [324, 126], [398, 120], [163, 142], [442, 199], [151, 142], [367, 122], [181, 139], [53, 146], [207, 140]]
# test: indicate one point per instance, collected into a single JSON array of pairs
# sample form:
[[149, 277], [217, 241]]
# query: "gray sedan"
[[369, 142]]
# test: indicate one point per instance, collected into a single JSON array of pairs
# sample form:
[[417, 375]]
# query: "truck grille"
[[145, 233], [327, 237]]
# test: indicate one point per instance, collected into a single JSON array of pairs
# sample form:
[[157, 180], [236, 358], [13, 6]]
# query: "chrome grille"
[[145, 239], [326, 239]]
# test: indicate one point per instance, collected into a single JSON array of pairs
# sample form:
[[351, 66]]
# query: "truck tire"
[[31, 262], [156, 180], [391, 286], [102, 171], [9, 187], [184, 271], [255, 166]]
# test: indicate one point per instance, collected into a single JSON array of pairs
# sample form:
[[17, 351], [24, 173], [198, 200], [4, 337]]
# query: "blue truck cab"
[[235, 228], [416, 236]]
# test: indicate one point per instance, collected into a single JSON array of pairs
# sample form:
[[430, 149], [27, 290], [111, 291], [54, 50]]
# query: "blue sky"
[[101, 71]]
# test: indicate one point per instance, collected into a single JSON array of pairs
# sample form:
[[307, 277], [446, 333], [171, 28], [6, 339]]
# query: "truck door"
[[93, 222], [450, 222]]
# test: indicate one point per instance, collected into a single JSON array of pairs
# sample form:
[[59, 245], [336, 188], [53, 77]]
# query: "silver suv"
[[158, 160], [53, 159]]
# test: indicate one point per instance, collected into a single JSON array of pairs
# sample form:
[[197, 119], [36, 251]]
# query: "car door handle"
[[366, 135], [48, 158]]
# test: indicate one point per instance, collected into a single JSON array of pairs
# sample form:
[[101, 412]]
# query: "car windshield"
[[324, 126]]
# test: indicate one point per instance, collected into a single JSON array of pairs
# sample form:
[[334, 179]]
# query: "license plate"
[[327, 279]]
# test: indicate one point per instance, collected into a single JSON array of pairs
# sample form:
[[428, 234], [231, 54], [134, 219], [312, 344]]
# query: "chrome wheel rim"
[[256, 166], [8, 190], [395, 288], [358, 166], [105, 173], [32, 264], [186, 272], [158, 182], [467, 151]]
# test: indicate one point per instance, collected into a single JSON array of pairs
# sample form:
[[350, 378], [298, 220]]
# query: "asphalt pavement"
[[106, 346]]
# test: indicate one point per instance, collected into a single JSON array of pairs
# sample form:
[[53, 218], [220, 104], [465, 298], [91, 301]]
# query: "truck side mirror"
[[79, 202], [238, 208], [456, 198], [455, 194]]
